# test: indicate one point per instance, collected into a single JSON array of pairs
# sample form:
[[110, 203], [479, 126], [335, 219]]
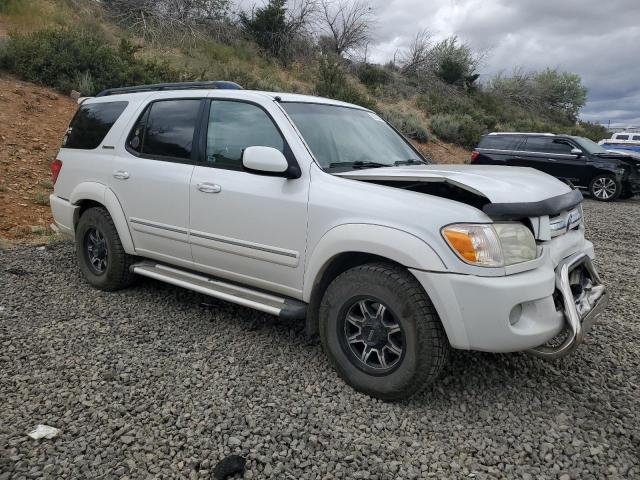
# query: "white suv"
[[314, 209]]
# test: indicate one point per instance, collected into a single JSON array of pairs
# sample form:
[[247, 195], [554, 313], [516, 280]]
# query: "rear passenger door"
[[151, 173]]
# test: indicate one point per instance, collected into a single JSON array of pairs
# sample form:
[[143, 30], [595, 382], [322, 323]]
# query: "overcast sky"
[[598, 39]]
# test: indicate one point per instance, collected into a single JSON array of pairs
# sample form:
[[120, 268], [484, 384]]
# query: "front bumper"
[[580, 313], [523, 311]]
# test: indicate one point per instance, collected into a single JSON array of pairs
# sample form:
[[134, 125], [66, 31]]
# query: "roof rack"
[[216, 84], [523, 133]]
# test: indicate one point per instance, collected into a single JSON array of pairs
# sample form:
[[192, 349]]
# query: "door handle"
[[552, 160], [209, 187], [121, 174]]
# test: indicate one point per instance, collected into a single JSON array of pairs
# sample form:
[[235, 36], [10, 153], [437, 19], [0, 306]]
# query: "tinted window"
[[547, 145], [635, 137], [500, 142], [91, 124], [622, 137], [234, 126], [169, 129]]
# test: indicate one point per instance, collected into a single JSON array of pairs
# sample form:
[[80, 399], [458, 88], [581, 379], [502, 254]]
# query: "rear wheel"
[[101, 257], [381, 332], [605, 188]]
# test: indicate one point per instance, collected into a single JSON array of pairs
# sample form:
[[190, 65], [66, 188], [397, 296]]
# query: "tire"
[[605, 188], [96, 229], [422, 340]]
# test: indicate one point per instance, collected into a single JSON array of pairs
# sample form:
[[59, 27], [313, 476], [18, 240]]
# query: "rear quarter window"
[[91, 123], [499, 142]]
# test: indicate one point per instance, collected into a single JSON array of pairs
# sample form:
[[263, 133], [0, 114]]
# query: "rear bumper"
[[63, 214], [514, 312]]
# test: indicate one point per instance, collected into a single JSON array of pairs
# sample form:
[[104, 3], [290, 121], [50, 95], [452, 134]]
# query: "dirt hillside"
[[33, 120], [32, 123]]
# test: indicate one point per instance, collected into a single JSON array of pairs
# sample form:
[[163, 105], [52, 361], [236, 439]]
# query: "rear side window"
[[166, 129], [91, 124], [234, 126], [499, 142]]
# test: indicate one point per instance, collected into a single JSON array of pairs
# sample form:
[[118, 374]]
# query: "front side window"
[[166, 129], [548, 145], [589, 145], [234, 126], [91, 124], [347, 138]]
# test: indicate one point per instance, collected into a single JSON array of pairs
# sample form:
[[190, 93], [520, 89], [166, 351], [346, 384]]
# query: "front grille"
[[562, 223]]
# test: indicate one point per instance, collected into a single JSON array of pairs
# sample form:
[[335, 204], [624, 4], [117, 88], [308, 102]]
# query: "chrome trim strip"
[[160, 226], [240, 243]]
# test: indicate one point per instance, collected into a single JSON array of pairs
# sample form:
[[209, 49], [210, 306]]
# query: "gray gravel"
[[159, 382]]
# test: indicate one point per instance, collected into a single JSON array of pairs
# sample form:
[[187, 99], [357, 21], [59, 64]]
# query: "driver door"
[[244, 226]]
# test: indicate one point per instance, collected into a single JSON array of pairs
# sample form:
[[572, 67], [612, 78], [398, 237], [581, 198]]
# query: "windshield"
[[589, 145], [343, 138]]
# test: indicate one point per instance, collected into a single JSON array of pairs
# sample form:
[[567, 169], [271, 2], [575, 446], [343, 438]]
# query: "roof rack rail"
[[215, 84], [523, 133]]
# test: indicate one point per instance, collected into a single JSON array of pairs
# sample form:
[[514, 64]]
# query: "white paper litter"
[[44, 431]]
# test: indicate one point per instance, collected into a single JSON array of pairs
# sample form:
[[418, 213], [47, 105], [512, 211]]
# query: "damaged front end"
[[552, 211]]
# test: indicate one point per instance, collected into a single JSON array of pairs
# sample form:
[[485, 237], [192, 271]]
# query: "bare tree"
[[156, 20], [417, 57], [346, 23]]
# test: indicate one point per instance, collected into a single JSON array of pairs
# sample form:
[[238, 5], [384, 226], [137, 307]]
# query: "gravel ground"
[[156, 381]]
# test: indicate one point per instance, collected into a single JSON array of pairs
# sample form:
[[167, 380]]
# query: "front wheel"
[[605, 188], [381, 331]]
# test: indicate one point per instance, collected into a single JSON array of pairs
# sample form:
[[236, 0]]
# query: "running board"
[[247, 297]]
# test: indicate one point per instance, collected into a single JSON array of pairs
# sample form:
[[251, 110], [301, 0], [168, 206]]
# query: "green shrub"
[[373, 75], [76, 59], [460, 129], [590, 130], [41, 198], [408, 123], [333, 83]]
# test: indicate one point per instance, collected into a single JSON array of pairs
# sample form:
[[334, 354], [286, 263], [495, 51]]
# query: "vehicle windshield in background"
[[343, 138], [590, 146]]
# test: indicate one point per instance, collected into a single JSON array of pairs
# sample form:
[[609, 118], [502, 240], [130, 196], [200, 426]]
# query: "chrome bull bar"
[[581, 313]]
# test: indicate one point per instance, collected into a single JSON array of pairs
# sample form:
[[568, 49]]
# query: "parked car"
[[577, 160], [318, 210]]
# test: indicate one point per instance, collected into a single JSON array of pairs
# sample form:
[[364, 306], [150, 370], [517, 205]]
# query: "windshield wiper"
[[358, 164], [410, 161]]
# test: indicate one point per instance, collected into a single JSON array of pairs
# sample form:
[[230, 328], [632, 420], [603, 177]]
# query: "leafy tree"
[[561, 91], [455, 63]]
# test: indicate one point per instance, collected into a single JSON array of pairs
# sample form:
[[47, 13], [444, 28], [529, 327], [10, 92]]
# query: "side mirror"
[[576, 151], [264, 160]]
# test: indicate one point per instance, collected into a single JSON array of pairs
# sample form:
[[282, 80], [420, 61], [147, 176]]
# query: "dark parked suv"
[[575, 160]]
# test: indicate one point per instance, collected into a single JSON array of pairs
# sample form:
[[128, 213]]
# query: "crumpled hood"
[[498, 184]]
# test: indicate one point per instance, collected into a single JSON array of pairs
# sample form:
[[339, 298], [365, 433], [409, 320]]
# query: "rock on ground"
[[155, 381]]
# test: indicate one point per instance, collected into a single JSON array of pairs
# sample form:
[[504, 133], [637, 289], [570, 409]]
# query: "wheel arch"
[[351, 245], [92, 194]]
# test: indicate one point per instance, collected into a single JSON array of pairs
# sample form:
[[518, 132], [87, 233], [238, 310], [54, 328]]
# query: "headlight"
[[491, 245]]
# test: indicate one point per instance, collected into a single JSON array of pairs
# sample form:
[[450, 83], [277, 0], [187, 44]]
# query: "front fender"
[[397, 245], [99, 193]]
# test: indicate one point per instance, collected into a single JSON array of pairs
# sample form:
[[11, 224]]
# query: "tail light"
[[474, 155], [56, 166]]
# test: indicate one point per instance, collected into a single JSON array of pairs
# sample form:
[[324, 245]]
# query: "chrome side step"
[[247, 297]]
